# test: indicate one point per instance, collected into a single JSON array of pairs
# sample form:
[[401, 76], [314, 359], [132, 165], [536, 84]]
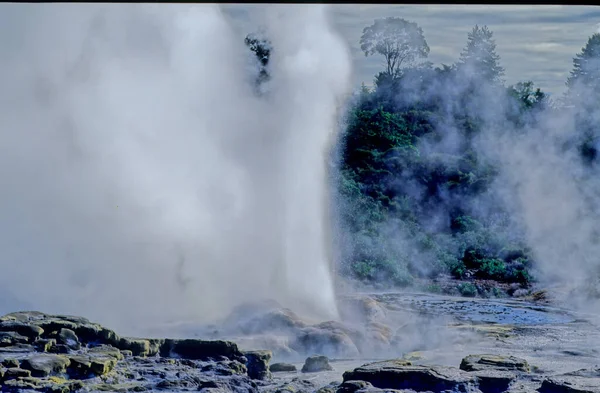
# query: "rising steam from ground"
[[142, 178]]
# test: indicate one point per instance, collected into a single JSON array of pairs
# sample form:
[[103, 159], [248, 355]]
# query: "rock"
[[580, 381], [120, 387], [50, 385], [15, 372], [493, 381], [352, 386], [138, 347], [360, 308], [493, 362], [30, 331], [282, 367], [399, 374], [316, 363], [86, 366], [106, 350], [44, 344], [569, 385], [10, 362], [262, 317], [46, 364], [331, 388], [200, 349], [335, 343], [258, 364], [69, 338], [11, 338], [17, 349]]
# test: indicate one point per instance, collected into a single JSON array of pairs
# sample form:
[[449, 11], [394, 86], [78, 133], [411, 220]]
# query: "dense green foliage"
[[417, 196]]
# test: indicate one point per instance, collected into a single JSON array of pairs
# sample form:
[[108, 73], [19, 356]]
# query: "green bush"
[[467, 289]]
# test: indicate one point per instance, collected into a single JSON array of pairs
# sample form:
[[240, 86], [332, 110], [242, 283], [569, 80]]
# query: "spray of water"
[[145, 181]]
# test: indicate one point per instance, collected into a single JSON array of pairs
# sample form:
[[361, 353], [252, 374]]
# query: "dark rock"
[[27, 384], [46, 364], [44, 344], [138, 347], [257, 363], [282, 367], [200, 349], [106, 350], [493, 381], [399, 374], [493, 362], [30, 331], [11, 338], [15, 372], [353, 386], [10, 362], [91, 365], [69, 338], [570, 384], [316, 363], [17, 349], [59, 348]]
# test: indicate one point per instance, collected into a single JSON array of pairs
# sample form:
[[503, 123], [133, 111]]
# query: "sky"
[[535, 42]]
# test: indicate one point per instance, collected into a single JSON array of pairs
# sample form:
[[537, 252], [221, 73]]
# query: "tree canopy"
[[479, 58], [398, 40], [586, 67]]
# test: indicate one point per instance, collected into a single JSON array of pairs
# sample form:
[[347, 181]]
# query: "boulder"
[[27, 384], [580, 381], [30, 331], [258, 364], [69, 338], [400, 374], [352, 386], [15, 372], [316, 363], [335, 343], [106, 350], [90, 365], [11, 338], [282, 367], [138, 347], [494, 381], [43, 365], [200, 349], [44, 344], [569, 385], [493, 362], [10, 362]]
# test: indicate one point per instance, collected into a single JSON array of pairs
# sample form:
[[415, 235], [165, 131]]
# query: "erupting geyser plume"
[[143, 178]]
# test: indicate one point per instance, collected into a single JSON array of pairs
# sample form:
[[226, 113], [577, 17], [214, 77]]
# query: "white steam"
[[144, 181]]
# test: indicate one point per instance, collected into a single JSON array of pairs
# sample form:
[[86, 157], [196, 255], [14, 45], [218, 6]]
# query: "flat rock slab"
[[493, 362], [399, 374], [570, 384]]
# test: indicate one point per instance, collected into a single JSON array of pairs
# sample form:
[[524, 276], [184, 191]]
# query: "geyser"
[[144, 181]]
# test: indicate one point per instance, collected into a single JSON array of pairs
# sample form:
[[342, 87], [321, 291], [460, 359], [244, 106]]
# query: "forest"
[[420, 186]]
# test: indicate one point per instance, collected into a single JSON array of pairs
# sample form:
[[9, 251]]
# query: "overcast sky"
[[535, 43]]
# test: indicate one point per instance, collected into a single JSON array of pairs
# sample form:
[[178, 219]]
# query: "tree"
[[262, 48], [584, 95], [586, 68], [398, 40], [479, 57]]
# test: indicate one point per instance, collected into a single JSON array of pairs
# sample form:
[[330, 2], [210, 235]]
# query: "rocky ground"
[[387, 342]]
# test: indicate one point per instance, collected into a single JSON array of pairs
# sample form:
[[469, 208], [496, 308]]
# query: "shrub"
[[467, 289]]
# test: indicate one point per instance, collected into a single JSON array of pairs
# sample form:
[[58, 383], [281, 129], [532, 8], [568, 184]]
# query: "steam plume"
[[143, 180]]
